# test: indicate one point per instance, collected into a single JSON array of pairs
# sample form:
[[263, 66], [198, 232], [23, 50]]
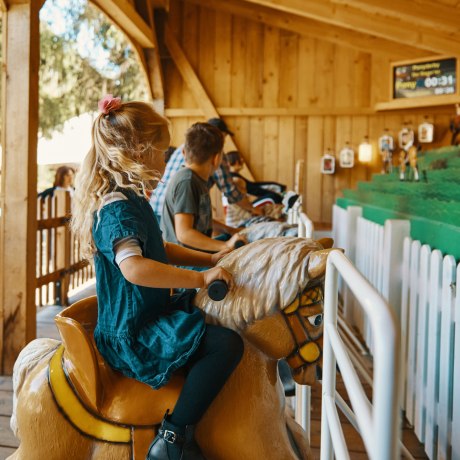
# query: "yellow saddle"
[[102, 390]]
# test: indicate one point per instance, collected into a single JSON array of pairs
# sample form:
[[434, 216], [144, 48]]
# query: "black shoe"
[[170, 445]]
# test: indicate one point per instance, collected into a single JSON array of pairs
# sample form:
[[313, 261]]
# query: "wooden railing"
[[60, 266]]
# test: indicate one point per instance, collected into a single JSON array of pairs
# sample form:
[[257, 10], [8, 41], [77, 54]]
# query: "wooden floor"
[[46, 328]]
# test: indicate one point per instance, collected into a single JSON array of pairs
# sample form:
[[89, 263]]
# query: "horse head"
[[277, 301]]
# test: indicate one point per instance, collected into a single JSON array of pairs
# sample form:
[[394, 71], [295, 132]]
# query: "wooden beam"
[[19, 180], [312, 28], [3, 6], [128, 19], [272, 111], [422, 13], [199, 92], [359, 21]]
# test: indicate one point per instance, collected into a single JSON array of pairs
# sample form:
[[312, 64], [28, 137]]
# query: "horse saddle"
[[103, 391]]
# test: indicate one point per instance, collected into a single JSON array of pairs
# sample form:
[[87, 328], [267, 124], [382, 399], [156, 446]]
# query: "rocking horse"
[[68, 404]]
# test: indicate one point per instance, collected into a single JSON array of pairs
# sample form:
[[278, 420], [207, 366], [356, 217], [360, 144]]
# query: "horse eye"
[[316, 320]]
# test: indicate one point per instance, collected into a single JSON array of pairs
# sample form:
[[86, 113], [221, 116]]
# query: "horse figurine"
[[408, 158], [68, 404]]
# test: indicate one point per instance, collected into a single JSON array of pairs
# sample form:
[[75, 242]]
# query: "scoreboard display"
[[430, 78]]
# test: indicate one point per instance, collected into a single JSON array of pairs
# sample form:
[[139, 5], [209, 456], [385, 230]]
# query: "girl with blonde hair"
[[143, 331]]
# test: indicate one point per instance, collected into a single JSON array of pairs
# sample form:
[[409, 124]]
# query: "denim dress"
[[145, 333]]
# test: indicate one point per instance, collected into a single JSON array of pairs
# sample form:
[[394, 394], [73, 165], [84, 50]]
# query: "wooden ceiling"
[[398, 28]]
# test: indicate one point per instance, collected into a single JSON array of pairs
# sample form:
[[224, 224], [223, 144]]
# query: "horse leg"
[[299, 438]]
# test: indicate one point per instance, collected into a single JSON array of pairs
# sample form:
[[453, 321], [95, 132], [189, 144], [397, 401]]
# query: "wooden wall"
[[287, 97]]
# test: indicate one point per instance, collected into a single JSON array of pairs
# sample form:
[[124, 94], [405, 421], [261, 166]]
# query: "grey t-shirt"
[[187, 193]]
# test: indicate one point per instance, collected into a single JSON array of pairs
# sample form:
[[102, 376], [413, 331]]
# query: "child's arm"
[[150, 273], [188, 236], [178, 255]]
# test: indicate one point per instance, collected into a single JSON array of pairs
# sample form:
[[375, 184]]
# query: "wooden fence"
[[421, 285], [60, 266]]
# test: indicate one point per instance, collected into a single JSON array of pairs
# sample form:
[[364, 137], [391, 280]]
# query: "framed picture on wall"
[[347, 157], [328, 164]]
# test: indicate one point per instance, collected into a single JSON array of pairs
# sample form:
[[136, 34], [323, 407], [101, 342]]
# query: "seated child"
[[187, 212], [264, 190]]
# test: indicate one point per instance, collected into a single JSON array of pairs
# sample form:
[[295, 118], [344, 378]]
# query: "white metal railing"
[[378, 423], [420, 284], [306, 227]]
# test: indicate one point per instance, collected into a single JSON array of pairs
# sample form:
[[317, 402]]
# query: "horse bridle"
[[306, 350]]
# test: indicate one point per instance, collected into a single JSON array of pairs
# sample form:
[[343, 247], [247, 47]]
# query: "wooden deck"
[[46, 328]]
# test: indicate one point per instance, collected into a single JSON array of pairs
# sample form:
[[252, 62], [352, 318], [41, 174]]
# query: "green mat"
[[432, 205]]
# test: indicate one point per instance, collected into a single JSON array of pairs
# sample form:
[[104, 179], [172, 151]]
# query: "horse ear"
[[326, 243], [317, 263]]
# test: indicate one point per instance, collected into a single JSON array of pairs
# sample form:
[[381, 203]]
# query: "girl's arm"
[[150, 273], [178, 255]]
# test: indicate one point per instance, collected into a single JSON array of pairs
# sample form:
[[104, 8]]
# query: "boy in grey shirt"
[[187, 212]]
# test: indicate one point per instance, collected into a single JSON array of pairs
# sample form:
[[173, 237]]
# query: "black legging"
[[209, 367]]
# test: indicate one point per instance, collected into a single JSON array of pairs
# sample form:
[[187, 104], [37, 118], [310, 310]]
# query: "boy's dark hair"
[[168, 153], [233, 157], [202, 141]]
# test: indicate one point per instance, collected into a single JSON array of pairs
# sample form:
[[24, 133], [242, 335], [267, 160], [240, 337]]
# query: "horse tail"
[[35, 352]]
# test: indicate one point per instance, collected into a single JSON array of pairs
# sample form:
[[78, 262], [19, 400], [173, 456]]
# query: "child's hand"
[[217, 273], [218, 255], [236, 237]]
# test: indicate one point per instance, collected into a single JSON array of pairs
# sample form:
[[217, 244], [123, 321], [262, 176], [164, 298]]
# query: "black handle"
[[217, 290], [239, 244]]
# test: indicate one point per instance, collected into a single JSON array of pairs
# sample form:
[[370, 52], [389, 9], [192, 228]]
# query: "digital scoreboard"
[[436, 77]]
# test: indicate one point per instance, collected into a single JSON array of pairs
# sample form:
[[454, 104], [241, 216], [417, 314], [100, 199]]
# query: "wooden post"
[[19, 179]]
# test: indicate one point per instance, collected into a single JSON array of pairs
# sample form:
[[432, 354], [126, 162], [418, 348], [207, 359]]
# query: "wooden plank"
[[306, 96], [357, 20], [128, 19], [190, 44], [328, 186], [420, 13], [6, 403], [205, 70], [19, 204], [288, 69], [342, 137], [253, 66], [271, 60], [300, 153], [286, 161], [223, 58], [270, 170], [314, 29], [7, 438], [314, 177]]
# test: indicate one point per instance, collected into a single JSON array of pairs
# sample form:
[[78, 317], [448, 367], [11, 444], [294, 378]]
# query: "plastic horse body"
[[276, 306], [408, 158]]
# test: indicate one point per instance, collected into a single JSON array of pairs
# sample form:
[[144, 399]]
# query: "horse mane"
[[267, 274]]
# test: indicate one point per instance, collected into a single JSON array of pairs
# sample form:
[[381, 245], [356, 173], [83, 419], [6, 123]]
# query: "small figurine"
[[406, 158], [386, 147]]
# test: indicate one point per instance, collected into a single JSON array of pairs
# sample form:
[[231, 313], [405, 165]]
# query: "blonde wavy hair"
[[122, 141]]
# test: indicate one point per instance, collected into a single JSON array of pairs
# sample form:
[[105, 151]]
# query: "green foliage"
[[89, 59]]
